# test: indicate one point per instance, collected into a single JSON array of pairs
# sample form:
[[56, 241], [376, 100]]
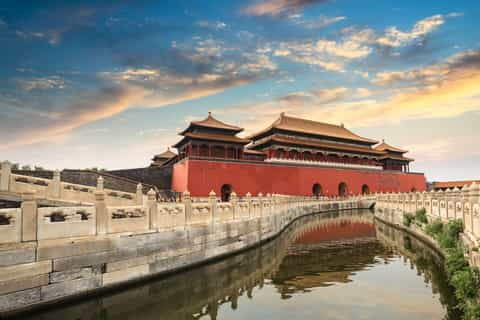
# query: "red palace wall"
[[201, 176]]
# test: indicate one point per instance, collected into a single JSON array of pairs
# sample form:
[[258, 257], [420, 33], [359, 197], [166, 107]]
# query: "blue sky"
[[86, 84]]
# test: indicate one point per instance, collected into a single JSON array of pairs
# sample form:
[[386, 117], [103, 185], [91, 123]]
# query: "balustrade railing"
[[463, 204], [55, 189], [30, 223]]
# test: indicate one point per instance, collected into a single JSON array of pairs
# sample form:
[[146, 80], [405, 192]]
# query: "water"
[[330, 267]]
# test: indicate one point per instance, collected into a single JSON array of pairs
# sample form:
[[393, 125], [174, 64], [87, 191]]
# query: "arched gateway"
[[226, 192], [342, 189], [365, 189], [317, 190]]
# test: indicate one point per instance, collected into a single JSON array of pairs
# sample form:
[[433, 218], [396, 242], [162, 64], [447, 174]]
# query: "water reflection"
[[331, 266]]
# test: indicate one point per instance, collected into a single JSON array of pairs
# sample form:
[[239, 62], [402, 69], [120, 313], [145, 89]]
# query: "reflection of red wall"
[[345, 230], [201, 176]]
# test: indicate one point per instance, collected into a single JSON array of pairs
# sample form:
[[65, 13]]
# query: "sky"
[[110, 83]]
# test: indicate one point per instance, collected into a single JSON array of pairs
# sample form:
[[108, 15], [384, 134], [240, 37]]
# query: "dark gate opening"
[[342, 189], [226, 192], [317, 190], [365, 189]]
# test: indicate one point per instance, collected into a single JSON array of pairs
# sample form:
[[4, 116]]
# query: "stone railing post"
[[270, 203], [212, 200], [152, 209], [101, 212], [55, 186], [139, 195], [5, 173], [100, 184], [187, 202], [248, 196], [456, 199], [475, 208], [29, 216], [234, 201], [260, 200], [466, 209], [448, 201]]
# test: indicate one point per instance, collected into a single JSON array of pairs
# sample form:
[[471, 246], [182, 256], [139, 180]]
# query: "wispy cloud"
[[328, 54], [219, 67], [215, 25], [467, 62], [452, 93], [354, 43], [278, 7], [396, 38], [82, 110], [42, 83], [445, 148], [320, 22]]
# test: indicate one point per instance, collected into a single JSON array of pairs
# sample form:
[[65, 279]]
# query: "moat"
[[329, 266]]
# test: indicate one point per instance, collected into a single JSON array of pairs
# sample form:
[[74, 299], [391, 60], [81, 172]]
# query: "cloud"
[[82, 110], [445, 148], [216, 25], [258, 116], [215, 68], [328, 54], [321, 22], [450, 94], [42, 83], [278, 7], [363, 92], [396, 38], [355, 44], [465, 62]]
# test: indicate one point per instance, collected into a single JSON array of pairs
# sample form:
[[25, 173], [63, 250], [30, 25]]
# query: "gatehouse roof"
[[213, 123], [165, 155], [386, 147], [294, 124]]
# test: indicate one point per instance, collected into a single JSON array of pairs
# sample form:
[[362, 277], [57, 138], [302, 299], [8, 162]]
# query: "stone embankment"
[[58, 253]]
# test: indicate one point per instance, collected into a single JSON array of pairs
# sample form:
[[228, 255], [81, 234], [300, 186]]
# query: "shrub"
[[454, 228], [449, 236], [472, 311], [435, 228], [465, 284], [407, 219], [421, 216], [455, 261], [446, 240]]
